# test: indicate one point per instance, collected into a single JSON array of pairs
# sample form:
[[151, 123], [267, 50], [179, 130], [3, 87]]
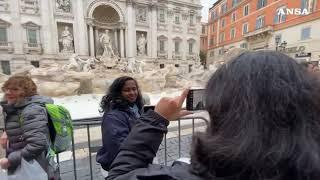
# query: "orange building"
[[292, 26]]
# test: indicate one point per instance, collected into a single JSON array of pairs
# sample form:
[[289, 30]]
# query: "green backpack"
[[60, 127]]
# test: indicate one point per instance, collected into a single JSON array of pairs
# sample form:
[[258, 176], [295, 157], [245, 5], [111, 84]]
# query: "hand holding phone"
[[195, 100], [171, 108]]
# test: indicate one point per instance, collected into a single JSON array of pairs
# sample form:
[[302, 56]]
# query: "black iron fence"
[[74, 167]]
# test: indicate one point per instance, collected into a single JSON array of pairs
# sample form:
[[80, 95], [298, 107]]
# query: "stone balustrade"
[[32, 48], [7, 46]]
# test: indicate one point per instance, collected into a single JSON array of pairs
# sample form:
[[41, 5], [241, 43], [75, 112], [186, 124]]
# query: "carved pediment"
[[162, 37], [4, 23], [177, 9], [177, 39], [191, 40], [30, 24]]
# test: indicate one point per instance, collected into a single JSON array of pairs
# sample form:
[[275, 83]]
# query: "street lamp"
[[283, 46], [277, 39], [280, 46]]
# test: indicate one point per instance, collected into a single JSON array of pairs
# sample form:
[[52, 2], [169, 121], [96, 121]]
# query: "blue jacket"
[[116, 125], [135, 156]]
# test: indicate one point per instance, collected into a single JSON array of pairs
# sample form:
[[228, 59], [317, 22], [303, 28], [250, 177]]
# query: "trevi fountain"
[[94, 75]]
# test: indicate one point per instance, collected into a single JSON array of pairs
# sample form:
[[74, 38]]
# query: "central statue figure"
[[105, 41]]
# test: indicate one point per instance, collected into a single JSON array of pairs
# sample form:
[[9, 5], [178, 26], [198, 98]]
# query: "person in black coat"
[[265, 125], [122, 106]]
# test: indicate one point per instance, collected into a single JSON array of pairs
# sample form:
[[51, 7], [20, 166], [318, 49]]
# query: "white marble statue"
[[131, 65], [142, 45], [105, 42], [75, 64], [66, 40], [89, 64], [123, 66], [138, 66]]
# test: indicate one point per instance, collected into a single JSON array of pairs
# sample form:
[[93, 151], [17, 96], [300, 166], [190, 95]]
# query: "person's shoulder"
[[178, 171], [34, 108], [116, 114], [31, 106]]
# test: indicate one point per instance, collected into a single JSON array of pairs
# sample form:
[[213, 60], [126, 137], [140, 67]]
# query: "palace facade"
[[40, 32]]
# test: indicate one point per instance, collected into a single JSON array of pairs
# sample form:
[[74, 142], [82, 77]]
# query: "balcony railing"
[[163, 54], [176, 55], [33, 44], [262, 30], [162, 25], [32, 47], [191, 56], [4, 45]]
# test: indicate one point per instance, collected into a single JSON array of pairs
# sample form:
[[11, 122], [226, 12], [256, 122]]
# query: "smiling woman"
[[122, 106]]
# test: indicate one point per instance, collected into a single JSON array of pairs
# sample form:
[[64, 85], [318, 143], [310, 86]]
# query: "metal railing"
[[94, 122], [86, 124], [4, 43]]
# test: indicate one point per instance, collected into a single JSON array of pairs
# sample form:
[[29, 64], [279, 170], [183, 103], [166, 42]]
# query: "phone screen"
[[147, 108], [195, 100]]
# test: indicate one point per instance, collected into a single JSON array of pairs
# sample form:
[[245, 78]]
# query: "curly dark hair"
[[27, 85], [114, 99], [265, 110]]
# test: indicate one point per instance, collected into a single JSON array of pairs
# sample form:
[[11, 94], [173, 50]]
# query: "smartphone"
[[195, 100], [147, 108]]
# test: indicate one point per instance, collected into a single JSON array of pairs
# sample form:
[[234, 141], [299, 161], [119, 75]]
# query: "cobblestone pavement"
[[83, 168]]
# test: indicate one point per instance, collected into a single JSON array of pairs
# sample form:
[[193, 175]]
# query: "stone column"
[[121, 43], [96, 32], [131, 43], [18, 31], [197, 47], [47, 24], [150, 45], [153, 42], [91, 40], [116, 39], [170, 42], [80, 30], [184, 48]]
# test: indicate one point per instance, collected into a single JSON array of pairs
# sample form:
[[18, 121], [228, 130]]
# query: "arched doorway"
[[105, 14], [105, 19]]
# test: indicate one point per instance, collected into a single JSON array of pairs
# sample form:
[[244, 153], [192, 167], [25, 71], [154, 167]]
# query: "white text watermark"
[[293, 11]]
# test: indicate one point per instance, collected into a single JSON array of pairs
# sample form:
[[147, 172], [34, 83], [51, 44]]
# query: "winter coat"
[[115, 127], [138, 150], [27, 130]]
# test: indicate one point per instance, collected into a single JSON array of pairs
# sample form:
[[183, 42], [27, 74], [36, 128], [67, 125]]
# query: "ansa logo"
[[293, 11]]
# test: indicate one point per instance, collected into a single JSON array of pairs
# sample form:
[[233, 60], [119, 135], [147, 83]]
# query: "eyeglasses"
[[10, 89]]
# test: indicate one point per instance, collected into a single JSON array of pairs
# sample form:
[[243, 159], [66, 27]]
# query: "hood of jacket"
[[26, 101], [34, 99]]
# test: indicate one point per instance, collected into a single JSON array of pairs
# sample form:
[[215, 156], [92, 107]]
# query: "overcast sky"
[[206, 5]]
